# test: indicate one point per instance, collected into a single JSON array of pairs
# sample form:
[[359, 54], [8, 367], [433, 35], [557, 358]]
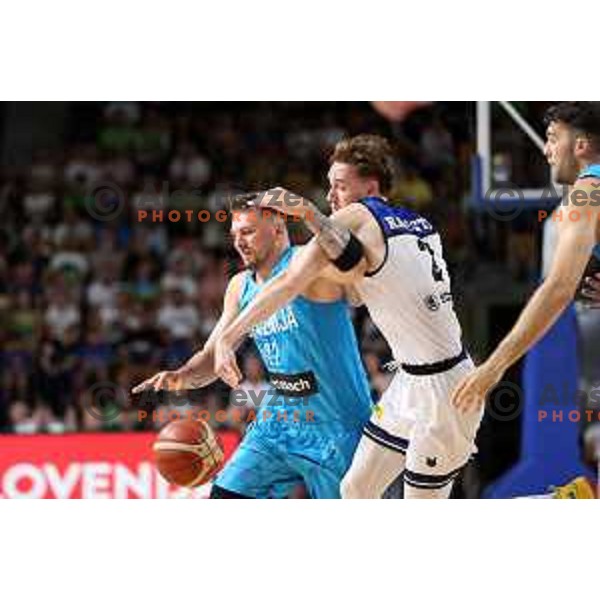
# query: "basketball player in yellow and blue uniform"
[[309, 433]]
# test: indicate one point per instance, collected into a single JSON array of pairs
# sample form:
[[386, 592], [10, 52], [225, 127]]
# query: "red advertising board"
[[89, 465]]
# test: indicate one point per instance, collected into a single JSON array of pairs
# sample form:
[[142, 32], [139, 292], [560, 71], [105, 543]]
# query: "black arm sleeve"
[[351, 255]]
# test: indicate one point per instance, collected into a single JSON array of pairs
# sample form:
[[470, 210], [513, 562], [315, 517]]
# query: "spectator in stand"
[[119, 134], [43, 171], [17, 383], [23, 420], [119, 169], [189, 167], [96, 350], [437, 148], [61, 313], [74, 227], [412, 191], [39, 203], [153, 141], [188, 247], [141, 248], [24, 321], [108, 250], [144, 286], [54, 371], [22, 278], [104, 288], [82, 167], [70, 257], [141, 342], [179, 276], [179, 317]]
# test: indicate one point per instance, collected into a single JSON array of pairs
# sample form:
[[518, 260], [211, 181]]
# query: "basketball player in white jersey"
[[393, 258]]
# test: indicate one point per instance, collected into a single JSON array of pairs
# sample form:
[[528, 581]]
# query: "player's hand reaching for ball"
[[226, 366], [471, 392], [165, 380]]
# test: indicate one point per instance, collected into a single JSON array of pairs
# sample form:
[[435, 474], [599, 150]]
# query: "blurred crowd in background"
[[90, 295]]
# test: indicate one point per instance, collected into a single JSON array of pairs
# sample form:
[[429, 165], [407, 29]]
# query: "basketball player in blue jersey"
[[573, 152], [308, 433], [393, 258]]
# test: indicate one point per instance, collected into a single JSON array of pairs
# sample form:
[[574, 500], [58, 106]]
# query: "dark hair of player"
[[582, 117]]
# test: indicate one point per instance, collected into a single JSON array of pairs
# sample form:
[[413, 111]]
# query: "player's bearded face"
[[347, 186], [560, 153], [252, 237]]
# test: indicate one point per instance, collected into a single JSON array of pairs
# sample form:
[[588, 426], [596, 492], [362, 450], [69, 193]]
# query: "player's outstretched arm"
[[307, 266], [198, 371], [334, 234], [576, 240]]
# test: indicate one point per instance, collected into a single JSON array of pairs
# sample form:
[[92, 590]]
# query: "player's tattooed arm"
[[198, 371], [575, 243], [333, 234]]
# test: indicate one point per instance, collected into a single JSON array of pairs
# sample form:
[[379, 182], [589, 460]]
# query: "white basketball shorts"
[[415, 417]]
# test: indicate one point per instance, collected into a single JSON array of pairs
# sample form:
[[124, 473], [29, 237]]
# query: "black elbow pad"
[[351, 256]]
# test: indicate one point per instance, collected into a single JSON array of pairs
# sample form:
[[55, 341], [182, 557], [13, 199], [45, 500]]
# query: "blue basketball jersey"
[[311, 354], [590, 171]]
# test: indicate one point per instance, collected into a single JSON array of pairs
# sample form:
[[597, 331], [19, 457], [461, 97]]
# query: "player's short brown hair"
[[583, 117], [371, 155]]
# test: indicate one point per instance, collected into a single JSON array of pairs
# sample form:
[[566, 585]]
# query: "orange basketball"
[[188, 453]]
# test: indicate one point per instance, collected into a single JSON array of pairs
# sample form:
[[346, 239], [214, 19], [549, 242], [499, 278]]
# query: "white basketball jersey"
[[408, 296]]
